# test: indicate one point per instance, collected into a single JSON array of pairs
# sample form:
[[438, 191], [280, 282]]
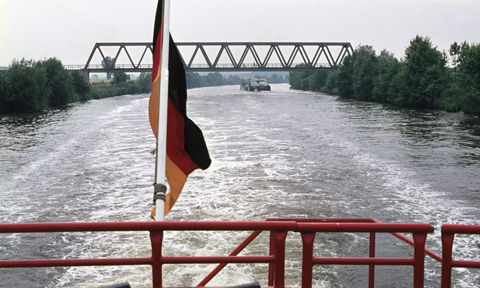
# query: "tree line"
[[33, 86], [421, 79], [30, 86]]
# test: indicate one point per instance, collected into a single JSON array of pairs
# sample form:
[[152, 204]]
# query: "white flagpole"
[[162, 117]]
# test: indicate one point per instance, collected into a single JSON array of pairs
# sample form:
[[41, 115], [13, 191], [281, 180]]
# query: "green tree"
[[108, 63], [331, 83], [469, 65], [455, 51], [4, 93], [27, 88], [81, 85], [398, 89], [426, 73], [59, 81], [215, 79], [318, 80], [387, 66], [194, 80], [233, 79], [144, 83], [345, 77], [119, 77], [300, 79], [305, 82], [469, 78], [364, 72], [295, 80]]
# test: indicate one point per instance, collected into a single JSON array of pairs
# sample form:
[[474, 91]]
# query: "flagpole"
[[160, 182]]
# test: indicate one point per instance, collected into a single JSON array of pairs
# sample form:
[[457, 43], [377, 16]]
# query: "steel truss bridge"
[[221, 56]]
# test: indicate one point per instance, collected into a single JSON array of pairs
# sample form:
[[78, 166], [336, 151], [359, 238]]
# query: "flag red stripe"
[[176, 140]]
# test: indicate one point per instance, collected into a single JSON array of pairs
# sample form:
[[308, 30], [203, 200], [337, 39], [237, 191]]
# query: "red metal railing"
[[448, 235], [278, 229], [156, 229], [308, 228]]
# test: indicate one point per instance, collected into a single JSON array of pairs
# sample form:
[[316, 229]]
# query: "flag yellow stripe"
[[176, 180], [153, 105]]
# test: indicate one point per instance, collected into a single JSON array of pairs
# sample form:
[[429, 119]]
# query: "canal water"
[[283, 153]]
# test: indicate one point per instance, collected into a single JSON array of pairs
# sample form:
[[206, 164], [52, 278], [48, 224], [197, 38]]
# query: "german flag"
[[186, 147]]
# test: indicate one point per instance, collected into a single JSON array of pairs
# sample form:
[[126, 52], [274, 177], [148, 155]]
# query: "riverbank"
[[100, 90], [421, 79]]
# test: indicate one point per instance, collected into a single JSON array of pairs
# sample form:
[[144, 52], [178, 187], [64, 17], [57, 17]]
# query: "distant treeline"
[[420, 80], [33, 86], [195, 80]]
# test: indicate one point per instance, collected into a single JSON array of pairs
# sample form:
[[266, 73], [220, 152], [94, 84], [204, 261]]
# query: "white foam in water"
[[419, 201], [269, 165]]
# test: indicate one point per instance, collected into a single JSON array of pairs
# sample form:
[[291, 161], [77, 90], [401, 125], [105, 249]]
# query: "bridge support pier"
[[86, 73]]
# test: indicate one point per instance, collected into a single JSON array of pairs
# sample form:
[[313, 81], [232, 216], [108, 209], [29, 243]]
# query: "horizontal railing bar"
[[135, 261], [460, 229], [216, 226], [327, 220], [147, 226], [362, 261], [74, 262], [465, 264], [366, 227], [216, 259]]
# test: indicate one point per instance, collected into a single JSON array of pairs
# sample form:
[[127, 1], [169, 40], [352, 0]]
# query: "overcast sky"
[[68, 29]]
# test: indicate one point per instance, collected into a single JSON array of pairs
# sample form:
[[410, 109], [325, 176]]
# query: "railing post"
[[271, 266], [307, 259], [279, 273], [371, 267], [156, 238], [419, 259], [447, 246]]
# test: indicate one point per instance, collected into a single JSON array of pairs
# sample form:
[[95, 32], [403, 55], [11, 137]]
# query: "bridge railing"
[[74, 67], [253, 66], [193, 67]]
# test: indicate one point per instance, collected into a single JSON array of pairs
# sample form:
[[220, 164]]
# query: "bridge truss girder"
[[115, 67], [323, 50], [310, 55]]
